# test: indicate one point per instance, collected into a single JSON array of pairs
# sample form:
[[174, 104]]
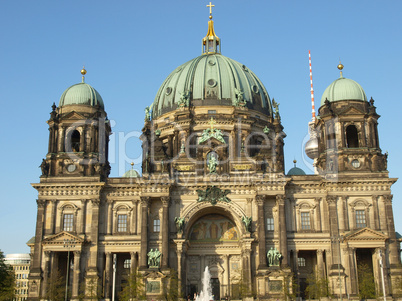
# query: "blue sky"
[[129, 48]]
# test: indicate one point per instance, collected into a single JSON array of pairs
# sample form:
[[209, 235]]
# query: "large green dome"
[[81, 94], [343, 89], [211, 80]]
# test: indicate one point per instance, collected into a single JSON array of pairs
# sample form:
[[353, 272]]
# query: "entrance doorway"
[[215, 288]]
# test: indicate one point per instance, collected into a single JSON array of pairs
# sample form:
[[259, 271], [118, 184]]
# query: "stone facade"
[[213, 192]]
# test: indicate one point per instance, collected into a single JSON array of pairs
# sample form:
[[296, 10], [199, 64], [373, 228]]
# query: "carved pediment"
[[366, 234], [351, 110], [73, 116], [59, 238]]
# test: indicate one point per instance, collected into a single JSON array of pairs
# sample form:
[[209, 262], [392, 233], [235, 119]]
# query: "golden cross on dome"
[[212, 122], [210, 7]]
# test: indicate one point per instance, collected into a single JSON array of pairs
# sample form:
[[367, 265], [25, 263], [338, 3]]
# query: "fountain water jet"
[[206, 293]]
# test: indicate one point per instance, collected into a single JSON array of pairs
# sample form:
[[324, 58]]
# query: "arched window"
[[75, 141], [352, 138]]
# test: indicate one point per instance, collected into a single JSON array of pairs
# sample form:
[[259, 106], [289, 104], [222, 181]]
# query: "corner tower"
[[78, 134], [347, 130]]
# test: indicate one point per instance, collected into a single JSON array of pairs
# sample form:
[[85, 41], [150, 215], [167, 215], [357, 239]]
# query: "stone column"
[[262, 262], [393, 243], [320, 263], [377, 276], [318, 213], [345, 213], [352, 271], [283, 240], [82, 216], [376, 212], [109, 217], [165, 231], [179, 252], [36, 271], [144, 232], [82, 139], [93, 257], [134, 218], [227, 268], [247, 267], [133, 265], [46, 272], [108, 276], [334, 230], [76, 274]]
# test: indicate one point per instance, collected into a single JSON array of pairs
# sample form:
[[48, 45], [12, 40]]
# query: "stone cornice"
[[67, 190]]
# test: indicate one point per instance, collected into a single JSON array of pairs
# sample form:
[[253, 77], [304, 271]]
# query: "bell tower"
[[347, 130], [78, 135]]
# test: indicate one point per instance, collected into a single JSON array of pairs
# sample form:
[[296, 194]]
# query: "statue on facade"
[[184, 99], [273, 257], [44, 166], [247, 222], [179, 221], [154, 258], [147, 114], [213, 162], [276, 107]]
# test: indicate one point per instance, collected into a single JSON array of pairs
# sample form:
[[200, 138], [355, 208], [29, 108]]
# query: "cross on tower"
[[210, 7]]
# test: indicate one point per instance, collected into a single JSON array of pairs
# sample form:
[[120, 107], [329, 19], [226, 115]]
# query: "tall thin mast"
[[311, 89]]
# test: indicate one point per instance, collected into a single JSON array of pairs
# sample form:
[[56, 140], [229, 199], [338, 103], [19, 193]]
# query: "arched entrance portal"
[[214, 241]]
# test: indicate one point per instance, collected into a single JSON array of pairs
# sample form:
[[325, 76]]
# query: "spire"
[[311, 88], [211, 43], [83, 72]]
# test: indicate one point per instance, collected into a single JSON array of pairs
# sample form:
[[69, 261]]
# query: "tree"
[[91, 289], [171, 291], [366, 282], [289, 287], [317, 287], [7, 280], [134, 288], [55, 287]]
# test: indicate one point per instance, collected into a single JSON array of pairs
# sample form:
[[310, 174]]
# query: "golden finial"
[[340, 67], [210, 9], [295, 161], [132, 165], [83, 72]]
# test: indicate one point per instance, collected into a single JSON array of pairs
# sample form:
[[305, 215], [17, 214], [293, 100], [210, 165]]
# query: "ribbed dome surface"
[[343, 89], [132, 173], [296, 171], [208, 80], [81, 94]]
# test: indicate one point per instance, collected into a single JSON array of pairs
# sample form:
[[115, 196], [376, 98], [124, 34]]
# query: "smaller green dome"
[[296, 171], [81, 94], [132, 173], [343, 89]]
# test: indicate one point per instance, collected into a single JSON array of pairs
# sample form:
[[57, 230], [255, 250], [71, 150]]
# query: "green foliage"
[[172, 291], [7, 281], [290, 287], [366, 282], [317, 287], [91, 289], [55, 287], [133, 289], [244, 285]]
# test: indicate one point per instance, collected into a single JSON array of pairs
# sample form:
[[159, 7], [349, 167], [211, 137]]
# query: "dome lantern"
[[211, 43]]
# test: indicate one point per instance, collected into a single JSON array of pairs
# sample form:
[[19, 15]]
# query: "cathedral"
[[213, 193]]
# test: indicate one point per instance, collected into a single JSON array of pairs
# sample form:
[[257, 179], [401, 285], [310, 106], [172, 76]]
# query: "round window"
[[211, 62], [255, 88], [168, 90], [212, 82], [356, 163], [71, 167]]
